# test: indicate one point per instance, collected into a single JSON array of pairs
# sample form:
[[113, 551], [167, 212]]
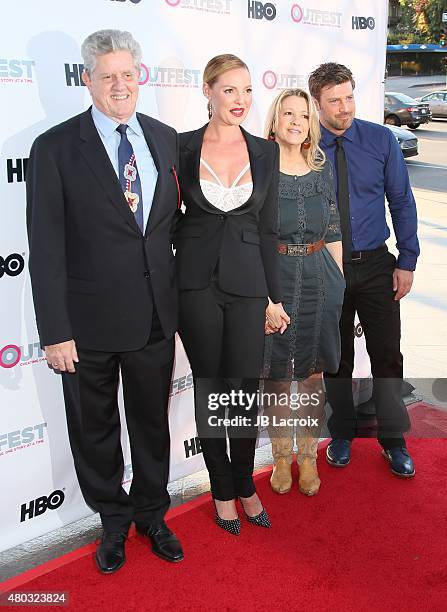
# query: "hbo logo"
[[362, 23], [38, 506], [258, 10], [12, 265]]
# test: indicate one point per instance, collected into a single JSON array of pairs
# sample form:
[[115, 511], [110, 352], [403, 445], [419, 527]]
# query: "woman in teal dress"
[[313, 288]]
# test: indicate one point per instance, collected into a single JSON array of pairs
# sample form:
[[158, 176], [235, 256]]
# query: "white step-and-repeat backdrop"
[[40, 86]]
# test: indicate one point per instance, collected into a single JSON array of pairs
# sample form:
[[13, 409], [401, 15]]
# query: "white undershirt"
[[225, 198]]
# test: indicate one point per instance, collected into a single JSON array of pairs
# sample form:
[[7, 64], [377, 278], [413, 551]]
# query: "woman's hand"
[[276, 318]]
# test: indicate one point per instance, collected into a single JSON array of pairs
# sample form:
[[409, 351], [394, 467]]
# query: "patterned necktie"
[[343, 199], [129, 177]]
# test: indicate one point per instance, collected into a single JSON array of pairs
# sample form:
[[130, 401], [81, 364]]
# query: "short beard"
[[339, 125]]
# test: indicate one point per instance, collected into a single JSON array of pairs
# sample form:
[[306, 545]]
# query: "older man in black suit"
[[102, 194]]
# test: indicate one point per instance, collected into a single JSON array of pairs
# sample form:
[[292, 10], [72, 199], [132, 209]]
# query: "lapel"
[[96, 156], [193, 149], [258, 174], [156, 151], [192, 168]]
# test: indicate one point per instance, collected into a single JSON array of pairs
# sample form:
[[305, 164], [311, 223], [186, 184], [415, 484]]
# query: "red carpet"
[[427, 421], [368, 541]]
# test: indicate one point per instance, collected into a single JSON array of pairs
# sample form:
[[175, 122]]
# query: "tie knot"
[[339, 141], [122, 128]]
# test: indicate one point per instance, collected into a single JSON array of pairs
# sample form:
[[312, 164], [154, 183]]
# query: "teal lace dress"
[[313, 286]]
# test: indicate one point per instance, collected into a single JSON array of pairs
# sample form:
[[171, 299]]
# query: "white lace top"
[[225, 198]]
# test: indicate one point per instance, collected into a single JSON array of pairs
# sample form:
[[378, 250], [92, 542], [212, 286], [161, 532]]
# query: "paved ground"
[[424, 335], [424, 311], [416, 86]]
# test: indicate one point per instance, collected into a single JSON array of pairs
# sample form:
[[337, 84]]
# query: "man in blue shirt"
[[368, 166]]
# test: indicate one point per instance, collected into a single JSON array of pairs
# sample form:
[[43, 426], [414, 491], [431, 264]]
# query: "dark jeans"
[[369, 292], [223, 336]]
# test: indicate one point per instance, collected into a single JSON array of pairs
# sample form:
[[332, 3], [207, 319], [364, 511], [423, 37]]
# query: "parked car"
[[403, 110], [437, 102], [408, 142]]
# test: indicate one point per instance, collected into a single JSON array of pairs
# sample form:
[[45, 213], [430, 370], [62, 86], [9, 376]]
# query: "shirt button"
[[295, 177], [222, 217], [147, 274]]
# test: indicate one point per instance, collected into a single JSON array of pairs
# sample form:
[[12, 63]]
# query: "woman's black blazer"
[[243, 241]]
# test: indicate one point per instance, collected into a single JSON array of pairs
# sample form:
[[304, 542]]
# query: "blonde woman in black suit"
[[228, 272]]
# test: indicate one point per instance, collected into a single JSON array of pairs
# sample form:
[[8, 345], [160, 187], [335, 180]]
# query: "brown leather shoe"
[[281, 478], [309, 482]]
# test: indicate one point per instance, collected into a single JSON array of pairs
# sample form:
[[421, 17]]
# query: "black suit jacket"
[[243, 241], [95, 276]]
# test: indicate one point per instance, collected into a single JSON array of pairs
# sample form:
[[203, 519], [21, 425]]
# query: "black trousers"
[[94, 430], [223, 336], [369, 292]]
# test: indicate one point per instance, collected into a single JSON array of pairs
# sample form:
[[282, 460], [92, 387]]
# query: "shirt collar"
[[329, 137], [107, 126]]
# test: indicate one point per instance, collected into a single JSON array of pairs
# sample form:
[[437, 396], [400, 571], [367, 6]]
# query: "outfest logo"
[[17, 70], [179, 385], [315, 16], [283, 80], [164, 76], [12, 355], [19, 439], [221, 7]]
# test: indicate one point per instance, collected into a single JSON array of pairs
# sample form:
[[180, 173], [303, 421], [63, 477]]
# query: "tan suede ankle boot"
[[281, 478], [309, 481]]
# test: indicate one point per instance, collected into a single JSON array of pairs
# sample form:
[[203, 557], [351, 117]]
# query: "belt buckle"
[[357, 258], [296, 250]]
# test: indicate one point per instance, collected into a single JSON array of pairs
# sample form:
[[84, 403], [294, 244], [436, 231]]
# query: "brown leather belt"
[[300, 250]]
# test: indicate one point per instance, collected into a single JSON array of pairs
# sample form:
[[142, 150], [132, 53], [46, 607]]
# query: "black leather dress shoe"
[[110, 554], [338, 452], [401, 463], [164, 543]]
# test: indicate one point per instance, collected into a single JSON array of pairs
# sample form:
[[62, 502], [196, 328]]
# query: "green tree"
[[422, 18]]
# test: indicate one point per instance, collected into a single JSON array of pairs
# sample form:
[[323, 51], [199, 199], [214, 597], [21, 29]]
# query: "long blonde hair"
[[314, 155]]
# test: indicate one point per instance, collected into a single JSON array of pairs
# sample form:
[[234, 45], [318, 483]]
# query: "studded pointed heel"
[[233, 526], [260, 520]]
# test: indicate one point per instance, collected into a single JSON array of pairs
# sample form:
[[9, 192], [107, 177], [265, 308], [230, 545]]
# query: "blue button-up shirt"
[[146, 168], [376, 168]]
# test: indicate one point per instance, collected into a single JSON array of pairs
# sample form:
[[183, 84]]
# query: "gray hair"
[[107, 41]]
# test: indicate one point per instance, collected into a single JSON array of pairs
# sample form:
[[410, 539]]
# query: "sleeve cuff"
[[406, 263]]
